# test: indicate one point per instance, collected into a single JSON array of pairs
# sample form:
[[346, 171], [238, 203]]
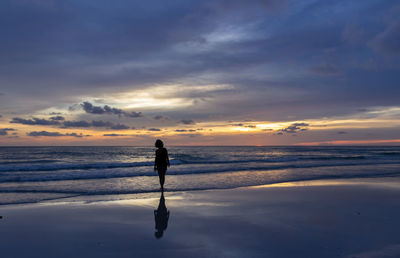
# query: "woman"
[[162, 162]]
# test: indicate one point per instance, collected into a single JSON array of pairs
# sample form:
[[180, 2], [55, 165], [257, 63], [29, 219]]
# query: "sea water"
[[33, 174]]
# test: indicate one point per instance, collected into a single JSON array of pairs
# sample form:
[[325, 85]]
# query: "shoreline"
[[322, 218], [382, 181]]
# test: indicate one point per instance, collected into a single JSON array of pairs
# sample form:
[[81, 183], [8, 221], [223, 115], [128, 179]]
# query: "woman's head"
[[159, 143]]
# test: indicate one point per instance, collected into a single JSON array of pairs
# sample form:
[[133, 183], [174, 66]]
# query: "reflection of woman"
[[161, 216], [162, 162]]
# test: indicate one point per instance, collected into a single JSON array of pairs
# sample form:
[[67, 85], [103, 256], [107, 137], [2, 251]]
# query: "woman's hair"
[[159, 143]]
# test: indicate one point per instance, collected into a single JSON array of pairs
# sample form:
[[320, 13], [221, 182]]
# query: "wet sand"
[[331, 218]]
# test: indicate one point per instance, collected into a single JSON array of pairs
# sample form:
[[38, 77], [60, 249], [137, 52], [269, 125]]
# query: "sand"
[[332, 218]]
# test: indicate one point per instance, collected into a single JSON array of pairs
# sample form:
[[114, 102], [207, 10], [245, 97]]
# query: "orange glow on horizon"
[[348, 142]]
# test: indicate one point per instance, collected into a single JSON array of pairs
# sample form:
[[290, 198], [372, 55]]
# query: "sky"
[[220, 72]]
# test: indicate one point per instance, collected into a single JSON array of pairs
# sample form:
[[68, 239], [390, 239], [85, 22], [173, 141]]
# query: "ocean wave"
[[52, 165], [15, 162], [79, 193], [75, 166], [391, 153], [108, 174]]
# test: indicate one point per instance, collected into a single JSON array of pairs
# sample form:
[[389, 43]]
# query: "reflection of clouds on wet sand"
[[312, 220]]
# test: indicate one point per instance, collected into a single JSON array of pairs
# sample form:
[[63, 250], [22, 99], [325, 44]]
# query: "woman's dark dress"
[[162, 160]]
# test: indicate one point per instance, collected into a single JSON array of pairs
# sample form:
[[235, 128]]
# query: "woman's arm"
[[167, 157], [155, 162]]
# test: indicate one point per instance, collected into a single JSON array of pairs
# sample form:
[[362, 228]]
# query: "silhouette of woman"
[[161, 216], [161, 162]]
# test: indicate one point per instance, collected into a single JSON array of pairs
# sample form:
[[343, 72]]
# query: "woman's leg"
[[161, 175]]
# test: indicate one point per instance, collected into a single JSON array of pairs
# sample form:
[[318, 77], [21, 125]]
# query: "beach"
[[318, 218], [199, 129]]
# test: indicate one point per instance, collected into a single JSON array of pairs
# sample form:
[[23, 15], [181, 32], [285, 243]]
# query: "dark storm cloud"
[[187, 122], [98, 110], [4, 131], [34, 121], [54, 134], [274, 53]]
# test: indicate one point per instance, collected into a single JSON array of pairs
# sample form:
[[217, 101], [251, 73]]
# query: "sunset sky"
[[254, 72]]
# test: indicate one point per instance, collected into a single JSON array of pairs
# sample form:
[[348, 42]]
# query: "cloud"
[[100, 123], [261, 56], [89, 108], [4, 131], [114, 135], [154, 129], [388, 41], [95, 124], [185, 130], [301, 124], [45, 133], [34, 121], [98, 110], [133, 114], [294, 128], [75, 135], [68, 124], [341, 132], [159, 117], [54, 134], [57, 118], [190, 135], [187, 122], [119, 127]]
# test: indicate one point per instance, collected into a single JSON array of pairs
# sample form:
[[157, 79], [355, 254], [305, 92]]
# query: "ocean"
[[34, 174]]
